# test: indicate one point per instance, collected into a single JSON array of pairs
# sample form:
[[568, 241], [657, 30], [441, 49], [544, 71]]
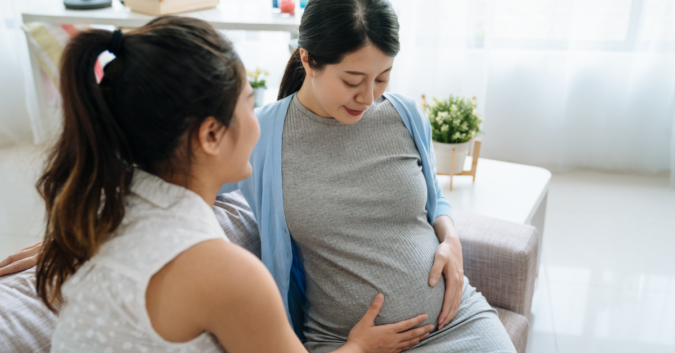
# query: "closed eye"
[[349, 85]]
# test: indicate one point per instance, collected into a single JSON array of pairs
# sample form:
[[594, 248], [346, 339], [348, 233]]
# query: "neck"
[[308, 99], [201, 186]]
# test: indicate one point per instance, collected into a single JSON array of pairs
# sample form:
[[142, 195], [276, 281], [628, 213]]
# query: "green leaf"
[[454, 120]]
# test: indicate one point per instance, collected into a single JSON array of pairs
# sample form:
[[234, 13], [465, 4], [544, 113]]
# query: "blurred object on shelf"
[[86, 4], [288, 6], [165, 7], [259, 85]]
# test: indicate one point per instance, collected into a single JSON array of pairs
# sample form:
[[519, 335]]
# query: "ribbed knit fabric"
[[354, 198]]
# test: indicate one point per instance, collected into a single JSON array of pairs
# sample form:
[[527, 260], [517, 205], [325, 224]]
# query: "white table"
[[251, 15], [508, 191]]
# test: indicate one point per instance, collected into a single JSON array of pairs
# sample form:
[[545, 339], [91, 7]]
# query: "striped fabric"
[[26, 325]]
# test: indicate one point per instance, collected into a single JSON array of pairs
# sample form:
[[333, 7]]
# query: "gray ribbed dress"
[[354, 198]]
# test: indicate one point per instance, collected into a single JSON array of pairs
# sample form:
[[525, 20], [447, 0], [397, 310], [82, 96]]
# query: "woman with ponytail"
[[345, 193], [133, 257]]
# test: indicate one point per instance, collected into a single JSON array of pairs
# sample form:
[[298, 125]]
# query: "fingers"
[[450, 293], [374, 309], [22, 254], [454, 305], [410, 323], [415, 333], [407, 344], [19, 265], [437, 268], [36, 245]]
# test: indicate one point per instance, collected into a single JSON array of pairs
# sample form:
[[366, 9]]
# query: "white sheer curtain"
[[563, 84], [15, 124]]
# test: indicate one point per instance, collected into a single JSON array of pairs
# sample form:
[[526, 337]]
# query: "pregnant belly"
[[342, 283]]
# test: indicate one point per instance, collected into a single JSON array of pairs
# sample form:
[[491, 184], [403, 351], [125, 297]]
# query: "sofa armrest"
[[500, 259]]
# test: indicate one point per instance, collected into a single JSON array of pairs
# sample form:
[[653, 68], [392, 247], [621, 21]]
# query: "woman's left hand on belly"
[[449, 262]]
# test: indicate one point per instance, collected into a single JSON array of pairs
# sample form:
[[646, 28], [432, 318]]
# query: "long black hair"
[[167, 78], [330, 29]]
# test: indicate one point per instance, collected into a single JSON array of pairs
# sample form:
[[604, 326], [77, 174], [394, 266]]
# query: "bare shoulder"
[[225, 269], [202, 277], [222, 288]]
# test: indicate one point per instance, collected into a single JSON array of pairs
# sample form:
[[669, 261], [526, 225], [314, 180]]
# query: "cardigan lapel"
[[275, 146]]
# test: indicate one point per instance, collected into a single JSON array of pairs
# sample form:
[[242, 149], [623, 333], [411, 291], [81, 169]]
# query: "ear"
[[304, 57], [210, 135]]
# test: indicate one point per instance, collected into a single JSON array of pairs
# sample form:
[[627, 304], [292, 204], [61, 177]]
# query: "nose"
[[366, 95]]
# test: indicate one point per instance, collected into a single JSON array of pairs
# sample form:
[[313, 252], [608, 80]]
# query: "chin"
[[246, 172], [348, 119]]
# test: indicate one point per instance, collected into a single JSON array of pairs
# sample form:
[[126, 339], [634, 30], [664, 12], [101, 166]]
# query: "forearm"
[[445, 228], [349, 347], [446, 233]]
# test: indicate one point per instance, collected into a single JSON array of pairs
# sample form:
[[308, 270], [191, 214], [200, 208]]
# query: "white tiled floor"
[[607, 281], [22, 213]]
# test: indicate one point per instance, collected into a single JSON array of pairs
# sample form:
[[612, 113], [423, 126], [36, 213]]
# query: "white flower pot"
[[259, 96], [443, 153]]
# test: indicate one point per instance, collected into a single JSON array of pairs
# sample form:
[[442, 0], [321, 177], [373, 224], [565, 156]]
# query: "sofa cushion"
[[26, 325], [517, 327]]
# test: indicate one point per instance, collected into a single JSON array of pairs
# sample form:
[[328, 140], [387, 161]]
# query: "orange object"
[[287, 6]]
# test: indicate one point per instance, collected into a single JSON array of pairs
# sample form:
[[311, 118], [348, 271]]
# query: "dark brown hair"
[[331, 29], [167, 77]]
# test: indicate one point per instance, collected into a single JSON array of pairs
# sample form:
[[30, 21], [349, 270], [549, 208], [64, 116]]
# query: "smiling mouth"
[[354, 112]]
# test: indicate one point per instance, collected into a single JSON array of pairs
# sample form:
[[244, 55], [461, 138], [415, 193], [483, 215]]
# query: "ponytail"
[[166, 79], [86, 176], [294, 76]]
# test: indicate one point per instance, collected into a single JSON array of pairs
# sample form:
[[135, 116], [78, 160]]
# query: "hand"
[[450, 264], [367, 337], [21, 260]]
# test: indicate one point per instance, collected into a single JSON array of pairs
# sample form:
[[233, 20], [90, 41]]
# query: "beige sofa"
[[500, 260]]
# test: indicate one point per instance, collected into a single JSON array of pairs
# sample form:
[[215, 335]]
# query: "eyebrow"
[[363, 74]]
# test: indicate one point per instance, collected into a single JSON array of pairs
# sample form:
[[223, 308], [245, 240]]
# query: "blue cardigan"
[[264, 193]]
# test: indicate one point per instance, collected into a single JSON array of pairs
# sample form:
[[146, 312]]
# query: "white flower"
[[453, 108], [445, 128], [464, 127], [456, 121]]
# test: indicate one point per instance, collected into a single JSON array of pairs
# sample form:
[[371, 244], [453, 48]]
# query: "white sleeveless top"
[[104, 308]]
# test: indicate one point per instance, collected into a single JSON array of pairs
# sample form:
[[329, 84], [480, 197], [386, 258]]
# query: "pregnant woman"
[[344, 190]]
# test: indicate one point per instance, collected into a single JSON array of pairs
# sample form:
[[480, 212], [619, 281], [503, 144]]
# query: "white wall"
[[14, 120]]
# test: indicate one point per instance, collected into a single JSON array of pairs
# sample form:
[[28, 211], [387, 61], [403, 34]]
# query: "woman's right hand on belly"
[[20, 260], [366, 337]]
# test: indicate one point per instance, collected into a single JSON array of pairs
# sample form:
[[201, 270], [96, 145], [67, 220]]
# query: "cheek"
[[379, 90], [332, 94]]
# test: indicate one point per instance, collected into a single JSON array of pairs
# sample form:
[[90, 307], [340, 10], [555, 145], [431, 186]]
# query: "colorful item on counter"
[[288, 6]]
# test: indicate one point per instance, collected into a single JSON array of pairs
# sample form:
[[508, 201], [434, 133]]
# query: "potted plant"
[[255, 78], [454, 123]]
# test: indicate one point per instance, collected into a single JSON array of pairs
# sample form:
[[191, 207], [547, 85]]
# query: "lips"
[[354, 112]]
